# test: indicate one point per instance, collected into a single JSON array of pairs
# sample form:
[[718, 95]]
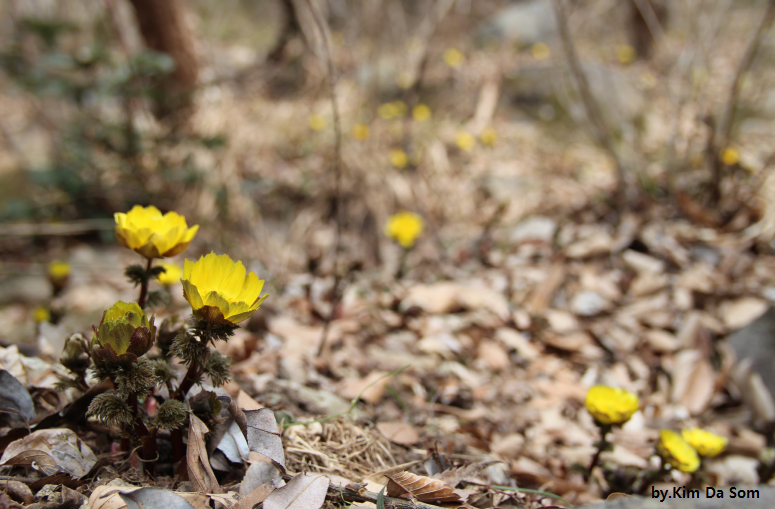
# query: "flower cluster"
[[221, 292]]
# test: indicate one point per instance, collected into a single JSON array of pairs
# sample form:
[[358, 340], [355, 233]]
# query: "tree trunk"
[[163, 27]]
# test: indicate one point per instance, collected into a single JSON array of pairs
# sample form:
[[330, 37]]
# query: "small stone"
[[588, 303]]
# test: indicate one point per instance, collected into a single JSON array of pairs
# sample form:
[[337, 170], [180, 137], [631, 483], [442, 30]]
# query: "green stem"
[[144, 284]]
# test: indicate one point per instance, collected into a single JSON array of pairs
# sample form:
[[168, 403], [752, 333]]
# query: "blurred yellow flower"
[[398, 158], [404, 79], [360, 132], [147, 232], [706, 443], [317, 122], [609, 405], [540, 51], [453, 57], [395, 109], [41, 314], [677, 451], [488, 136], [465, 141], [337, 39], [404, 227], [220, 290], [625, 54], [421, 113], [171, 274], [730, 156], [413, 44], [59, 270]]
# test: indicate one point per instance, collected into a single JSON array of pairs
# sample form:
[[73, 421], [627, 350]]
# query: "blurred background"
[[473, 114]]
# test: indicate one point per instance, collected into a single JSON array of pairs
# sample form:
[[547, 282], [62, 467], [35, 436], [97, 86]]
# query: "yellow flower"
[[488, 136], [706, 443], [677, 451], [59, 270], [125, 333], [58, 274], [360, 132], [220, 290], [399, 107], [465, 141], [171, 274], [405, 227], [147, 232], [317, 122], [625, 54], [610, 406], [730, 156], [414, 44], [387, 111], [453, 57], [421, 113], [398, 158], [540, 51], [41, 314], [404, 80], [337, 39]]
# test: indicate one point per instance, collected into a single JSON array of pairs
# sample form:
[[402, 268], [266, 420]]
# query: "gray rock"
[[765, 500], [756, 341], [523, 23], [537, 228], [619, 97]]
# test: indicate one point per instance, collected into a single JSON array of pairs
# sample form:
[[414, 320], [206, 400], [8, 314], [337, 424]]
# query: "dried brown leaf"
[[399, 432], [199, 469], [305, 491], [420, 487]]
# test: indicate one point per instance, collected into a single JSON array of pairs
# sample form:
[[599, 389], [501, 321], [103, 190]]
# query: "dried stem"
[[600, 131], [724, 129], [144, 284], [331, 76], [604, 430]]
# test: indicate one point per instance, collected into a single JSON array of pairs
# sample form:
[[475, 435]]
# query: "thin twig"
[[724, 128], [331, 76], [54, 229], [651, 19], [600, 131]]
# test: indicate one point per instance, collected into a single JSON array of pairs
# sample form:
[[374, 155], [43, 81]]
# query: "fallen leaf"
[[62, 445], [154, 498], [305, 491], [258, 474], [256, 496], [37, 460], [401, 433], [198, 463], [15, 401], [422, 488], [694, 381]]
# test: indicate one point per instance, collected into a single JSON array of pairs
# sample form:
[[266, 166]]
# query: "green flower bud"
[[75, 355], [124, 333], [171, 415]]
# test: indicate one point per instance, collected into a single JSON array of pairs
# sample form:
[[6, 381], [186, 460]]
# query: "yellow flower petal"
[[705, 442], [218, 283], [677, 451], [152, 234], [404, 227], [611, 406]]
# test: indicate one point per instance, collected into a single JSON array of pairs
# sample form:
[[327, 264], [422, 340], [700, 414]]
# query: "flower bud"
[[75, 355], [124, 333]]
